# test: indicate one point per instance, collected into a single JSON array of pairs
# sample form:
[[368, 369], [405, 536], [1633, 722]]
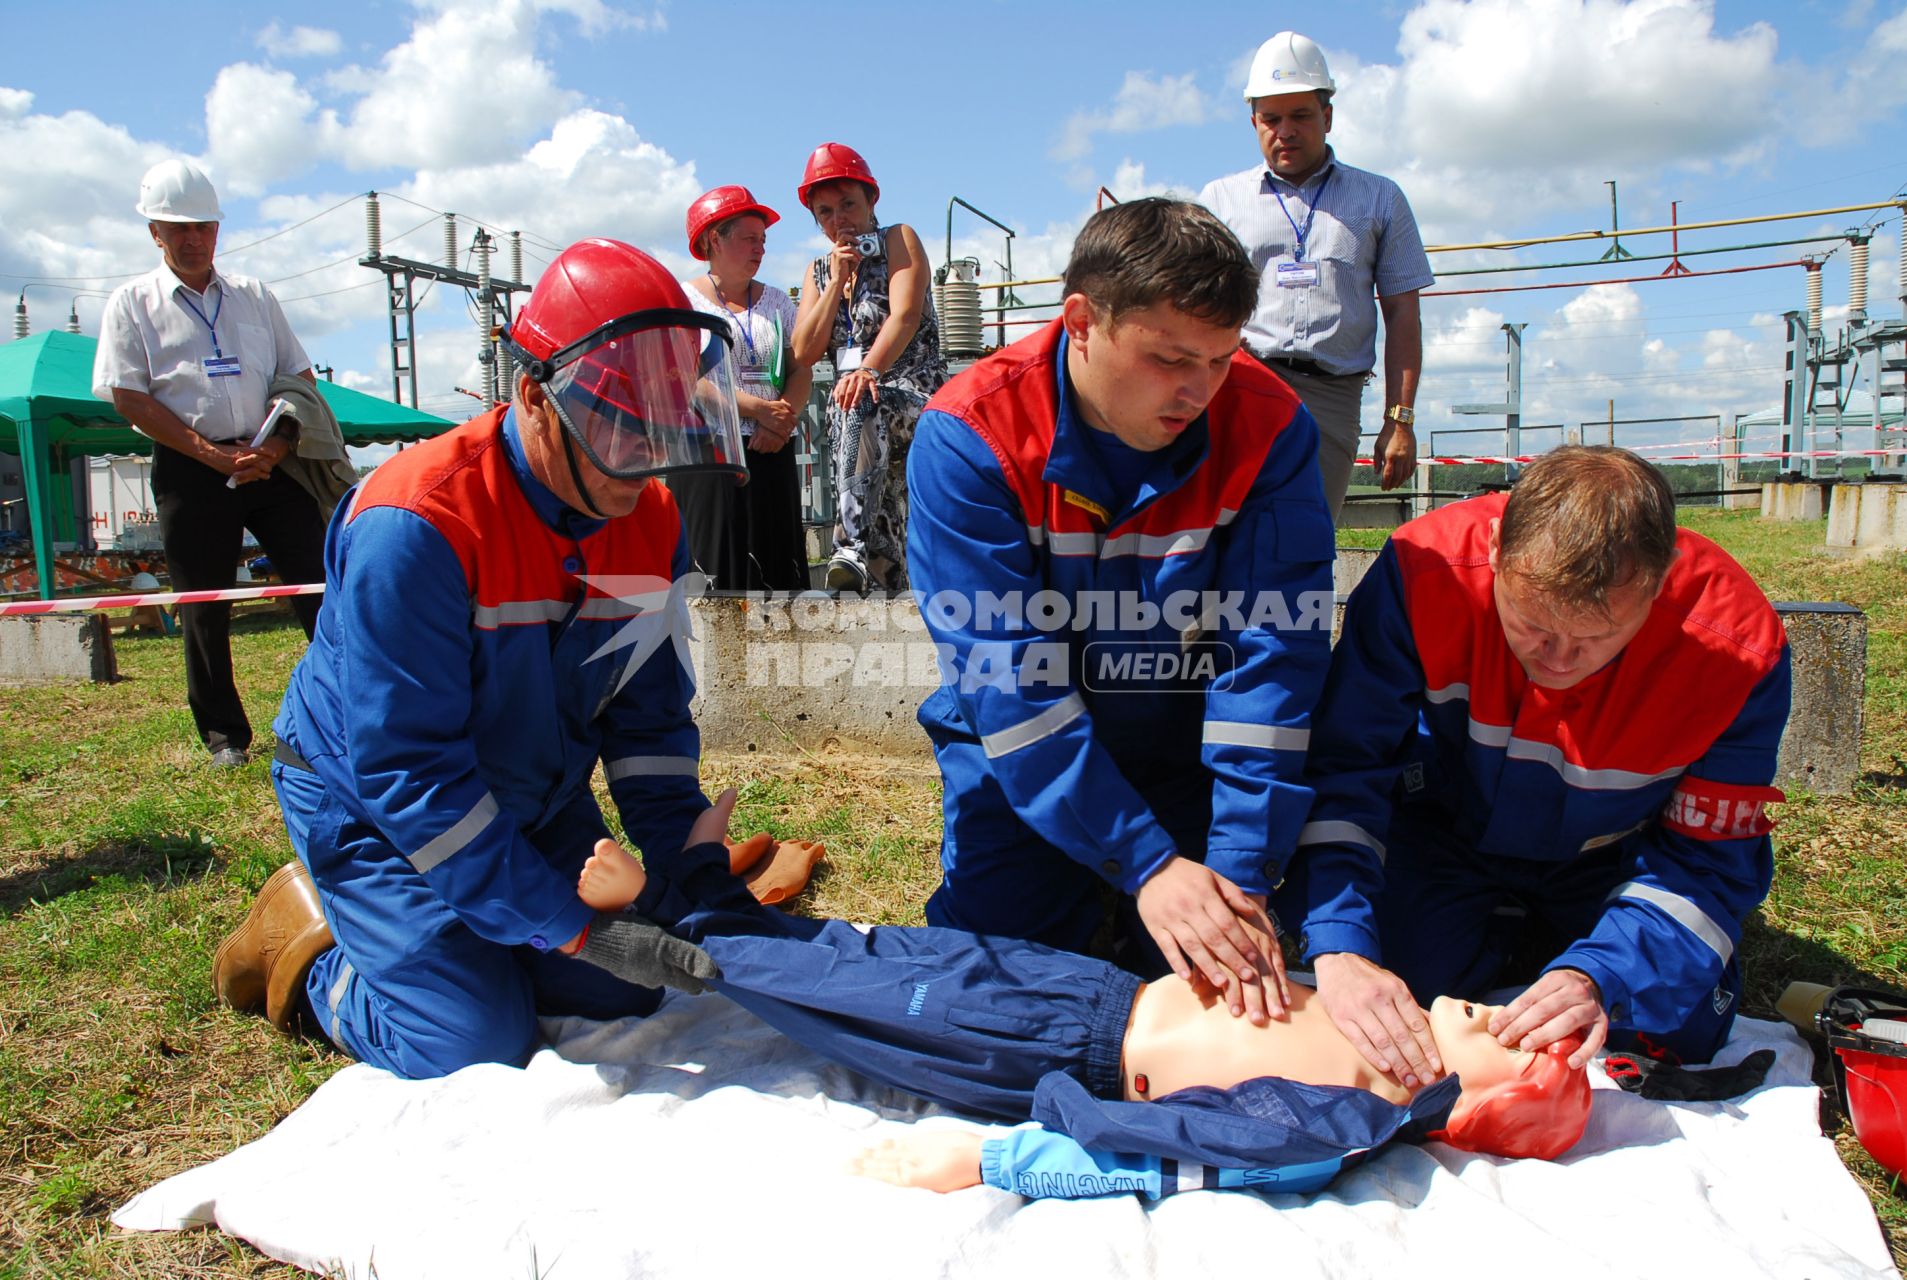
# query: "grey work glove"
[[646, 954]]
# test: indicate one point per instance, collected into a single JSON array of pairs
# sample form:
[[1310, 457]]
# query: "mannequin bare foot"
[[785, 872], [938, 1161], [744, 854], [611, 879]]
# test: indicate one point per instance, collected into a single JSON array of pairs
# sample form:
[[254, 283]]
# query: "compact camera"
[[870, 244]]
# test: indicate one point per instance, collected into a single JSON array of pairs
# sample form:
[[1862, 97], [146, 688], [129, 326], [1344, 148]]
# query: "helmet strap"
[[565, 430], [576, 474]]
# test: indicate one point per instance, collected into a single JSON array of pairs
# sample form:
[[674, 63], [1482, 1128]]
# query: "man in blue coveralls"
[[1554, 704], [1121, 545], [498, 619]]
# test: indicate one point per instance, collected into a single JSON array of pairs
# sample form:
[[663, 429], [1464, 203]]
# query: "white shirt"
[[151, 340], [769, 325], [1362, 237]]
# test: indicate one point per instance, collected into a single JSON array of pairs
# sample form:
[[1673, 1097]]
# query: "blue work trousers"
[[409, 987], [972, 1022]]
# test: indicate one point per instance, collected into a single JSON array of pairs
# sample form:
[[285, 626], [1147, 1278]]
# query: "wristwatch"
[[1402, 414]]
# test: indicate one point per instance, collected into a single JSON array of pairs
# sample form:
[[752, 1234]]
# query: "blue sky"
[[575, 117]]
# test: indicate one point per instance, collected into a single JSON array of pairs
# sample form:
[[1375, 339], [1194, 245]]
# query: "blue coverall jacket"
[[1119, 685]]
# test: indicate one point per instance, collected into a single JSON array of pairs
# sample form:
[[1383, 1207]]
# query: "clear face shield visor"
[[649, 393]]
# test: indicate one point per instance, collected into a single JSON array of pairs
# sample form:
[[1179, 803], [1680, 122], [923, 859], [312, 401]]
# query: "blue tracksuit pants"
[[970, 1021], [409, 987], [1450, 917]]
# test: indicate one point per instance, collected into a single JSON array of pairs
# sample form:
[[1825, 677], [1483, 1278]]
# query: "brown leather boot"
[[265, 960]]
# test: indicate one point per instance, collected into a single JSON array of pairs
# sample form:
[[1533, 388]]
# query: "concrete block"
[[1352, 564], [1868, 516], [1844, 514], [57, 647], [1791, 500], [812, 672], [817, 673], [1821, 747]]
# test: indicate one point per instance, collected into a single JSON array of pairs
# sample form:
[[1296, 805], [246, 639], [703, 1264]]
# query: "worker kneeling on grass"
[[1554, 712], [498, 619]]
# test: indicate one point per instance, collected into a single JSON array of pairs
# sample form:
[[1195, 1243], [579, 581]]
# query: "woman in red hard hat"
[[865, 305], [497, 623], [749, 538]]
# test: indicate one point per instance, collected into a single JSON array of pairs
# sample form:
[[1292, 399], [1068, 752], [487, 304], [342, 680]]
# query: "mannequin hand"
[[941, 1160]]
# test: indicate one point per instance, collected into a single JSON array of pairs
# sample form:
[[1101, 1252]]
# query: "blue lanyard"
[[213, 323], [1303, 233], [748, 322]]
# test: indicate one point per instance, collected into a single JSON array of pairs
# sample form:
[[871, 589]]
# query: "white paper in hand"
[[273, 413]]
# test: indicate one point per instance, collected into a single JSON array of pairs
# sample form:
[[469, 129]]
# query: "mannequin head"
[[1514, 1103]]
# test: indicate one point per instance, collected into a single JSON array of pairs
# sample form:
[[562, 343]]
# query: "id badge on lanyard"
[[1297, 275], [848, 360], [220, 366], [1302, 273]]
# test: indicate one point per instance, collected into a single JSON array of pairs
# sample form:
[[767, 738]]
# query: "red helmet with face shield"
[[635, 374]]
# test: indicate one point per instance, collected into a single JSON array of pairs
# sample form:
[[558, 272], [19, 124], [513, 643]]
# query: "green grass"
[[123, 861]]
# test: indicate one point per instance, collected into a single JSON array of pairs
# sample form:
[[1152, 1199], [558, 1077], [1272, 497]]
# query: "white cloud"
[[465, 89], [299, 42], [1501, 109], [14, 103], [258, 122], [612, 183], [1144, 102]]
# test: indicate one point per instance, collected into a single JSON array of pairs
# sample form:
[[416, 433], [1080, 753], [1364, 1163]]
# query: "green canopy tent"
[[49, 415]]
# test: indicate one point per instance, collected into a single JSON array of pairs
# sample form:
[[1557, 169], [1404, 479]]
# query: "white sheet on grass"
[[699, 1143]]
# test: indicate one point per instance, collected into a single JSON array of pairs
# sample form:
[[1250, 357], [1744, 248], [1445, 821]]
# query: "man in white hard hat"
[[186, 355], [1336, 246]]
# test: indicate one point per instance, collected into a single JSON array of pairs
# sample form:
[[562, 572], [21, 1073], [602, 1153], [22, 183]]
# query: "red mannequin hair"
[[1539, 1115]]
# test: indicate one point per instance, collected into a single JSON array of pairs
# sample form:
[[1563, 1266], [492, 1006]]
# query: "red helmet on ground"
[[719, 205], [831, 162], [637, 375]]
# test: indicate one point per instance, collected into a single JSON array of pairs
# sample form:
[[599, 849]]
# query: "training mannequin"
[[1010, 1029]]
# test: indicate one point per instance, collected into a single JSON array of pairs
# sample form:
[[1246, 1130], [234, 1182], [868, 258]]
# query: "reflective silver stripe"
[[651, 767], [453, 840], [1155, 545], [1490, 735], [1073, 544], [1036, 535], [1339, 832], [1577, 776], [599, 607], [1449, 693], [1027, 732], [519, 613], [1238, 733], [1683, 912], [336, 994], [1191, 1176]]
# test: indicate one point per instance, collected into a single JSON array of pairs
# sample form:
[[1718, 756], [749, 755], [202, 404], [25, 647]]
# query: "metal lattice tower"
[[492, 295]]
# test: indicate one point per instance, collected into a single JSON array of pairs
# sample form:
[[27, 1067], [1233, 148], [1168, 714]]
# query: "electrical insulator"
[[373, 227]]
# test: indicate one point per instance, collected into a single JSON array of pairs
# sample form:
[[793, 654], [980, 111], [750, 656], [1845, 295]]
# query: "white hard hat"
[[1288, 63], [144, 582], [177, 191]]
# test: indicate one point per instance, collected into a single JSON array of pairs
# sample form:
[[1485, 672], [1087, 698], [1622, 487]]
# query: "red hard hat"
[[831, 162], [590, 284], [720, 205]]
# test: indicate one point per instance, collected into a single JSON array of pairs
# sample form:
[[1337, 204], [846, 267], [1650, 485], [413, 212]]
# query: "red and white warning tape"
[[1500, 459], [85, 604]]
